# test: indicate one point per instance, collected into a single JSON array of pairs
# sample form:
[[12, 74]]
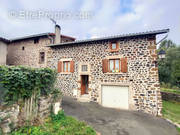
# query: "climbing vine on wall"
[[21, 82]]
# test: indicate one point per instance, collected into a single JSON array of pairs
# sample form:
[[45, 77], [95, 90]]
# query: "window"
[[114, 65], [84, 68], [36, 40], [66, 66], [23, 48], [114, 46], [41, 57]]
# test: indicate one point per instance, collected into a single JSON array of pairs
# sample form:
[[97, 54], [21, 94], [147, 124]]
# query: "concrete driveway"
[[117, 122]]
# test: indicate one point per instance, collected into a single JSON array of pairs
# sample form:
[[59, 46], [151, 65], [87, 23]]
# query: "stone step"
[[84, 98]]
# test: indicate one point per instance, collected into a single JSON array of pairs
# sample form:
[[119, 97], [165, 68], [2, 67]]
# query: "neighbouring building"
[[3, 51], [32, 50], [117, 72]]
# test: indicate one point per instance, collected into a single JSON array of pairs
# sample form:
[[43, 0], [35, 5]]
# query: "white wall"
[[3, 53]]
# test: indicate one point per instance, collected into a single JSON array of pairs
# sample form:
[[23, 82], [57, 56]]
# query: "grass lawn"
[[170, 90], [59, 124], [171, 110]]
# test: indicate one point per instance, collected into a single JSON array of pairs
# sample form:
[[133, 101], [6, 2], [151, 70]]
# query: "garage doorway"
[[114, 96], [84, 84]]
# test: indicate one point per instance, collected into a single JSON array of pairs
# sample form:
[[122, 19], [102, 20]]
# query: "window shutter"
[[124, 66], [105, 65], [59, 66], [71, 66], [117, 45], [110, 46]]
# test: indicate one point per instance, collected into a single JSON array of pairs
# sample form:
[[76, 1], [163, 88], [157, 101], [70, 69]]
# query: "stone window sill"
[[115, 73], [115, 50]]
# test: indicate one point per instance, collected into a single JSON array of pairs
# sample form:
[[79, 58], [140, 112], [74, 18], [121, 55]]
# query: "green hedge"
[[19, 82]]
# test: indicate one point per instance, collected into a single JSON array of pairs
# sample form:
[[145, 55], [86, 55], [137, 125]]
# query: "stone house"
[[117, 72]]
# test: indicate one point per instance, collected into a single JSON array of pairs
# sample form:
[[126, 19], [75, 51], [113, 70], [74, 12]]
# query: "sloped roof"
[[38, 35], [4, 40], [112, 37]]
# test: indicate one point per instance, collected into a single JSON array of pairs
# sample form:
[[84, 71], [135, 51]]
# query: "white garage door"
[[115, 97]]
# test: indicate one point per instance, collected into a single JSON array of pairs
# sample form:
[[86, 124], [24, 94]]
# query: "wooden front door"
[[84, 84]]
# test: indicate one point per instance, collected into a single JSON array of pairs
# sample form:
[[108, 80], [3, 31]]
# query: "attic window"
[[36, 40], [113, 46]]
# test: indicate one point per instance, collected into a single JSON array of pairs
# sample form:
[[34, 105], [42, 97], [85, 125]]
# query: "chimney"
[[57, 34]]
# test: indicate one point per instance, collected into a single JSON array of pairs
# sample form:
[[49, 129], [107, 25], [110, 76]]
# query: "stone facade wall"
[[142, 75], [170, 96], [30, 55]]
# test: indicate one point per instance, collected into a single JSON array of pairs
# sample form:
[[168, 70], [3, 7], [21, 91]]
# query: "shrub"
[[58, 117], [59, 124], [21, 82]]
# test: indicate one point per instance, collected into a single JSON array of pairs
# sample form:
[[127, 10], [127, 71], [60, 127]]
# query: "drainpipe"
[[158, 76], [162, 39]]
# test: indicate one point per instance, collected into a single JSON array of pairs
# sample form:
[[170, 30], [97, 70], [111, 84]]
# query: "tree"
[[166, 44], [169, 68]]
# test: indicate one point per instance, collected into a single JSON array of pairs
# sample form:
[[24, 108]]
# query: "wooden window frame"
[[67, 63], [114, 65], [69, 66], [117, 47], [123, 65]]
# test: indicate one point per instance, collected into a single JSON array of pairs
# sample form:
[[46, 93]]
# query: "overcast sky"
[[85, 19]]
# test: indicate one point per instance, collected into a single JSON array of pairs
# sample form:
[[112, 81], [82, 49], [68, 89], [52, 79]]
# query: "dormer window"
[[114, 46]]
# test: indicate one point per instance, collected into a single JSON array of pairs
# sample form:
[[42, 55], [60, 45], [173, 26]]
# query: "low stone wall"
[[12, 117], [170, 96]]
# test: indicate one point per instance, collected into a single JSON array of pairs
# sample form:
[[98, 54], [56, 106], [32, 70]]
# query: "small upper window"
[[23, 48], [114, 46], [42, 57], [84, 68], [36, 40]]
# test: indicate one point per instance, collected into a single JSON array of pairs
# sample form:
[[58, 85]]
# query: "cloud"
[[109, 17]]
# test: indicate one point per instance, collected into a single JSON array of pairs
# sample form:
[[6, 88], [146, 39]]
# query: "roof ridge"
[[155, 32], [37, 35]]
